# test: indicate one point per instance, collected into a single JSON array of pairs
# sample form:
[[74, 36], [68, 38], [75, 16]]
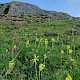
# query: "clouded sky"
[[71, 7]]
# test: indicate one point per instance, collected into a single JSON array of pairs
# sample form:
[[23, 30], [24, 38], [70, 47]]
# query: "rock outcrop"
[[25, 10]]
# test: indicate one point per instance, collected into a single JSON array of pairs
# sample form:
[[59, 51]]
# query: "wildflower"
[[11, 64], [27, 42], [62, 52], [41, 67], [52, 39], [41, 40], [68, 77], [46, 42], [15, 47], [68, 47], [36, 58], [73, 60], [70, 51], [37, 39], [6, 50], [70, 66], [45, 56]]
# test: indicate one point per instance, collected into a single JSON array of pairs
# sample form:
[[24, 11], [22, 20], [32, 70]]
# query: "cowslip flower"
[[14, 46], [68, 77], [73, 60], [46, 42], [41, 40], [45, 56], [36, 58], [70, 51], [62, 51], [27, 42], [41, 67], [11, 64], [68, 47], [6, 50], [37, 39], [52, 39]]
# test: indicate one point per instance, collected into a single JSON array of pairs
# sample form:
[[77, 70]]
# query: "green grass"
[[16, 61]]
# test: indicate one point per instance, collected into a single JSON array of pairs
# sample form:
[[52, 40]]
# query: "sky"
[[72, 7]]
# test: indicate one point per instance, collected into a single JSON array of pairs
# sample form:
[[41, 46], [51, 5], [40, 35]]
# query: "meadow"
[[47, 50]]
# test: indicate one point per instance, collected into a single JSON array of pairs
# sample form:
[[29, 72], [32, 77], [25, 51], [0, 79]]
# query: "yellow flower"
[[41, 41], [46, 42], [70, 66], [37, 39], [73, 60], [68, 47], [11, 64], [62, 52], [52, 39], [68, 77], [45, 56], [36, 58], [41, 67], [27, 42], [6, 50], [70, 51], [15, 47]]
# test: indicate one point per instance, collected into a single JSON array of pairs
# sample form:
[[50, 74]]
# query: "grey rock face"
[[16, 8]]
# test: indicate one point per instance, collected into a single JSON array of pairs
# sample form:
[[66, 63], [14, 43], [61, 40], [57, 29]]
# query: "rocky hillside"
[[18, 11]]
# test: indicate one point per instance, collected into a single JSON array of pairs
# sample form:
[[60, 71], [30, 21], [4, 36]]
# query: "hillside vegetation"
[[44, 50]]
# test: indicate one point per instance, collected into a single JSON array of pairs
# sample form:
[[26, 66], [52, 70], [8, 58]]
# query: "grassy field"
[[40, 51]]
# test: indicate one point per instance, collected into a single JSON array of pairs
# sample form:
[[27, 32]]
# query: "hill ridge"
[[20, 9]]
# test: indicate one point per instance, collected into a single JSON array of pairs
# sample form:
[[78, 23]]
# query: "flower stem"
[[39, 74], [36, 70]]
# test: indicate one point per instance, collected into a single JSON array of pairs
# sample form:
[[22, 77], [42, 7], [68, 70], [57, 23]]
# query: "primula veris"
[[6, 50], [62, 51], [52, 39], [70, 51], [41, 67], [36, 58], [45, 56], [15, 47], [41, 41], [68, 47], [46, 42], [11, 64], [27, 42], [73, 60], [68, 77], [37, 39]]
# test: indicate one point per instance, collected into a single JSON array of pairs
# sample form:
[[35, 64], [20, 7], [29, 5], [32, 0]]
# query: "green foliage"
[[19, 43]]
